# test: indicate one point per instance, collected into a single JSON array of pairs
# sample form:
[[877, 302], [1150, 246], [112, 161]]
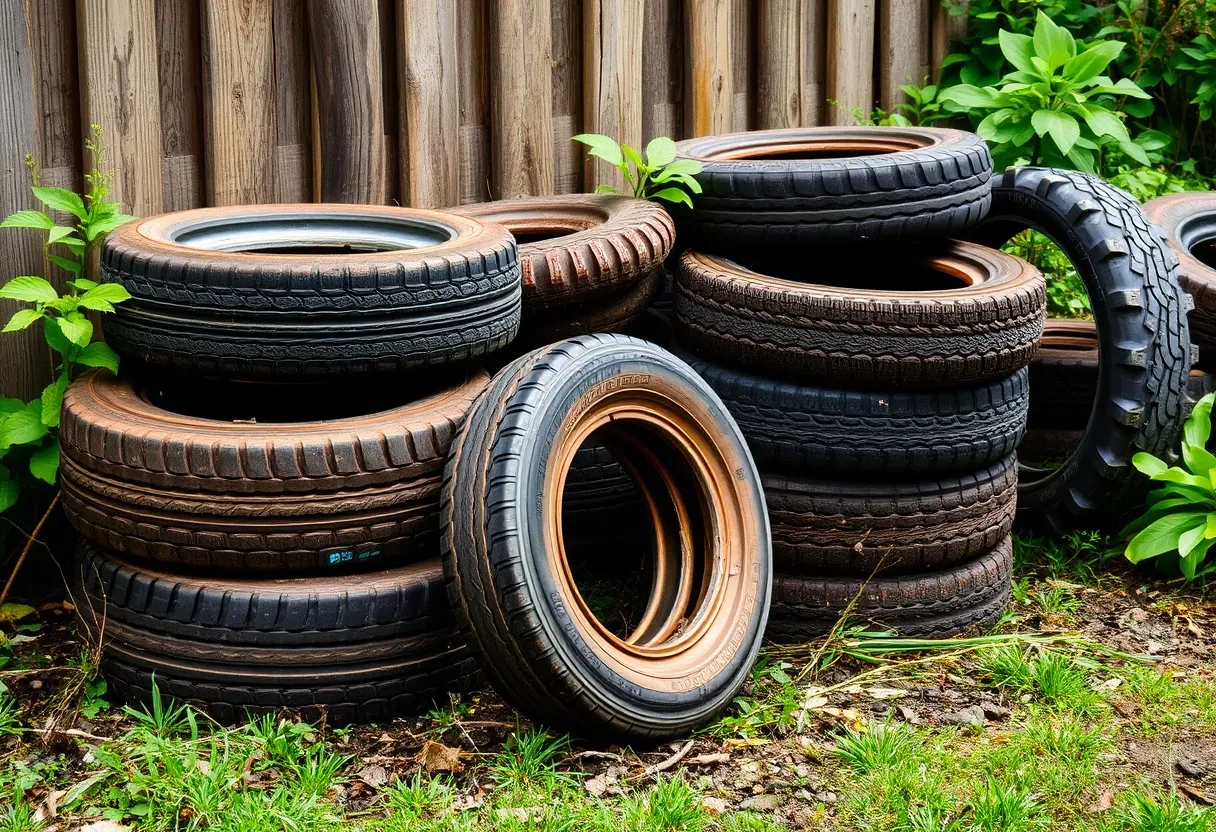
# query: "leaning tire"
[[823, 430], [863, 528], [835, 185], [285, 498], [538, 641], [986, 328], [1140, 312], [310, 291], [1189, 223], [934, 605], [351, 649]]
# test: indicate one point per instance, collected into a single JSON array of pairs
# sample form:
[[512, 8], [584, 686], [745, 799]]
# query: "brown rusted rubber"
[[619, 312], [281, 498], [581, 245]]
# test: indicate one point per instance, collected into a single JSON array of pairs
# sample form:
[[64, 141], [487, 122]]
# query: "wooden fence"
[[416, 102]]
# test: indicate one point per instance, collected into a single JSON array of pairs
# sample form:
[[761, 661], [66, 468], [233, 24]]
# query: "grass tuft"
[[886, 746]]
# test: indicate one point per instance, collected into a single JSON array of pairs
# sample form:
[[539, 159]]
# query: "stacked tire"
[[877, 367]]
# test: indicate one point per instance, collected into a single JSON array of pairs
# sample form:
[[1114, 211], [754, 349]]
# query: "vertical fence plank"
[[180, 72], [779, 64], [392, 108], [568, 54], [743, 64], [430, 161], [662, 70], [238, 101], [345, 39], [903, 49], [947, 29], [56, 91], [814, 61], [293, 103], [474, 102], [708, 95], [850, 59], [612, 78], [521, 81], [117, 41], [25, 367]]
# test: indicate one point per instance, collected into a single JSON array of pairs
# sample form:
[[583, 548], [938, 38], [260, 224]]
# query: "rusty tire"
[[1189, 223], [946, 602], [987, 326], [269, 498], [580, 246], [622, 313], [834, 185], [863, 528], [504, 555], [310, 291]]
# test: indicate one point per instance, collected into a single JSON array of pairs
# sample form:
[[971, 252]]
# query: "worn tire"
[[1189, 223], [621, 312], [859, 184], [972, 595], [535, 637], [862, 528], [1140, 312], [824, 430], [270, 498], [866, 339], [590, 244], [250, 312]]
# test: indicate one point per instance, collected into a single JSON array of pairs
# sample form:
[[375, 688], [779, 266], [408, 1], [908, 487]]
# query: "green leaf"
[[55, 337], [1135, 151], [1017, 49], [632, 155], [1177, 475], [1091, 63], [1199, 460], [1210, 531], [58, 233], [1062, 128], [28, 288], [52, 400], [8, 406], [97, 228], [23, 427], [44, 463], [1124, 86], [660, 152], [76, 328], [62, 200], [601, 147], [1191, 538], [67, 265], [82, 284], [1198, 427], [1052, 43], [1162, 536], [682, 178], [9, 492], [969, 96], [1189, 564], [102, 297], [1105, 123], [12, 613], [688, 167], [673, 195], [21, 319], [27, 219], [98, 354]]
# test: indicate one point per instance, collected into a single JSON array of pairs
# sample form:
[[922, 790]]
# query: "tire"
[[267, 498], [617, 313], [1140, 313], [866, 339], [212, 295], [343, 650], [580, 246], [539, 644], [852, 184], [863, 528], [1189, 223], [938, 604], [827, 431]]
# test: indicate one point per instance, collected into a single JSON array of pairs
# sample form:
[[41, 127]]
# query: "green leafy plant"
[[1180, 521], [1056, 107], [660, 175]]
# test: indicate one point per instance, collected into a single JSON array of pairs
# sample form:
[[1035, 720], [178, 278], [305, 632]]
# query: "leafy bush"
[[659, 176]]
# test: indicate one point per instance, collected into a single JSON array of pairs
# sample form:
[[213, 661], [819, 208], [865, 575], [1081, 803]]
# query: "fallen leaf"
[[375, 776], [848, 716], [435, 756], [10, 613], [708, 759], [1196, 794], [606, 781], [1102, 804], [1193, 628], [745, 742], [886, 693]]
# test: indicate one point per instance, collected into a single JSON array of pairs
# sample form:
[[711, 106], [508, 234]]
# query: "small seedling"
[[659, 176]]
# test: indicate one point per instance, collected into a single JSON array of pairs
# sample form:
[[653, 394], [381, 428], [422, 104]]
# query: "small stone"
[[972, 715], [762, 803], [714, 805], [826, 797], [1191, 768], [804, 795], [908, 715], [994, 711]]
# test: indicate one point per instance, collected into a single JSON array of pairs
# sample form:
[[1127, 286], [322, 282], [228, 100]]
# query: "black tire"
[[839, 527], [340, 650], [206, 306], [532, 633], [1189, 223], [825, 430], [849, 185], [620, 312], [1145, 348], [972, 595]]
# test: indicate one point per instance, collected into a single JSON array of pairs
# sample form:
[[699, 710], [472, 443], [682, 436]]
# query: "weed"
[[775, 703], [670, 806], [19, 817], [318, 771], [528, 763], [1062, 683], [748, 822], [1076, 556], [10, 716], [883, 747], [998, 808], [419, 797], [445, 718], [1143, 814], [163, 720], [1006, 667], [281, 741]]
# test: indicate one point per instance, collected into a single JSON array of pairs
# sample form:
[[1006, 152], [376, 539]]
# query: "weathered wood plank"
[[430, 161], [345, 37], [392, 108], [663, 70], [743, 64], [293, 103], [903, 56], [521, 78], [568, 55], [472, 27], [120, 88], [56, 91], [948, 29], [612, 79], [850, 75], [779, 64], [708, 92], [814, 61], [25, 367], [181, 116], [238, 101]]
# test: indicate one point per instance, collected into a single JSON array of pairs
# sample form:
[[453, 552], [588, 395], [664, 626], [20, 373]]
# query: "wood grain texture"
[[25, 366], [472, 29], [814, 61], [238, 101], [708, 89], [392, 107], [612, 79], [429, 87], [850, 60], [521, 80], [345, 39], [181, 116], [568, 52], [903, 49], [663, 70], [948, 29], [743, 64], [293, 103], [779, 64], [56, 91], [120, 89]]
